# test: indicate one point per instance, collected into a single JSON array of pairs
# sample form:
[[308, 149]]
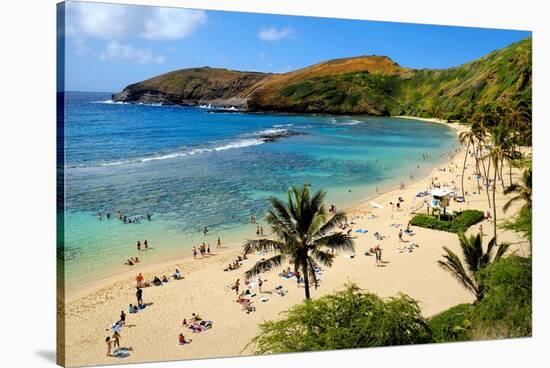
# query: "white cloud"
[[274, 34], [171, 24], [115, 22], [120, 51]]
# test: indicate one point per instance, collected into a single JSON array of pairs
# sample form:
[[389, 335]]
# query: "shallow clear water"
[[190, 169]]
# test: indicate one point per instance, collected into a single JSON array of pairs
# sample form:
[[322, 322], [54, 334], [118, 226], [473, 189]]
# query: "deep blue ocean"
[[189, 168]]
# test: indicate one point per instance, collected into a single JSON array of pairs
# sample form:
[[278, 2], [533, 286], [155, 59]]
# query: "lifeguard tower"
[[441, 199]]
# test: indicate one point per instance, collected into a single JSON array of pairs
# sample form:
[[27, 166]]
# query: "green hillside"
[[372, 85], [449, 93]]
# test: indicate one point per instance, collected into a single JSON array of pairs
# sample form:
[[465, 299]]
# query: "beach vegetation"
[[504, 312], [506, 309], [452, 324], [450, 223], [352, 318], [303, 235], [475, 259], [347, 319], [522, 191], [521, 223]]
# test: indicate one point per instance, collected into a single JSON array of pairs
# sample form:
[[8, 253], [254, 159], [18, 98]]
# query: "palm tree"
[[480, 132], [523, 191], [467, 137], [303, 235], [498, 152], [475, 259]]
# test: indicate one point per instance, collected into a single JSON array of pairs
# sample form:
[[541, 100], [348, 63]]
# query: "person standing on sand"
[[261, 231], [219, 243], [194, 252], [401, 235], [139, 296], [377, 255], [260, 283], [139, 280], [208, 249], [258, 230], [122, 321], [109, 345], [116, 338], [138, 245]]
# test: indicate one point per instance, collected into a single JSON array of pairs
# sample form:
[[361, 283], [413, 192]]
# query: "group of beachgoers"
[[124, 218], [236, 263], [196, 324], [244, 297], [113, 341], [133, 260], [259, 228], [204, 249], [157, 281]]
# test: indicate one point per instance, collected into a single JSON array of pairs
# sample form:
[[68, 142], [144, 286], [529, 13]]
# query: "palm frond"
[[265, 265], [472, 250], [323, 257], [262, 245], [512, 188], [336, 241], [334, 221], [511, 201], [454, 266], [502, 249]]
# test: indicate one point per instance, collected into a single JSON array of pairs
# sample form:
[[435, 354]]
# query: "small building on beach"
[[441, 199]]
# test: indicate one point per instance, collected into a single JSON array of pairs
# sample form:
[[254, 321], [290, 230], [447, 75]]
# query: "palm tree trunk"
[[486, 172], [501, 171], [464, 168], [510, 172], [478, 170], [306, 278], [495, 201]]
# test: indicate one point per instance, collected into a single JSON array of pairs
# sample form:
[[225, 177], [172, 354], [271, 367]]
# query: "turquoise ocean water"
[[189, 168]]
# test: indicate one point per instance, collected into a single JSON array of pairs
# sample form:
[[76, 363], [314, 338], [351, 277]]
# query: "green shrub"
[[452, 324], [506, 310], [463, 221], [456, 224], [344, 320]]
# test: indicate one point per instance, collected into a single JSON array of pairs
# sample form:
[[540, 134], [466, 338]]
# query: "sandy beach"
[[152, 334]]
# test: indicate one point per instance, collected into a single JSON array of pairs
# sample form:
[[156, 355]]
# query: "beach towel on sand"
[[121, 353]]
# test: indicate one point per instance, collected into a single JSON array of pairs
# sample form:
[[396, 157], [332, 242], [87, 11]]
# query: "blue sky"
[[110, 46]]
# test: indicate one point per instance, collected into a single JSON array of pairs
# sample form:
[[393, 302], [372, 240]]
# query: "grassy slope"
[[361, 85], [380, 90]]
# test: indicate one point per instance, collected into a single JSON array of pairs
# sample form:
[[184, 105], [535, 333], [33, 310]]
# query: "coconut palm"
[[497, 154], [475, 259], [479, 121], [303, 235], [467, 137], [523, 191]]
